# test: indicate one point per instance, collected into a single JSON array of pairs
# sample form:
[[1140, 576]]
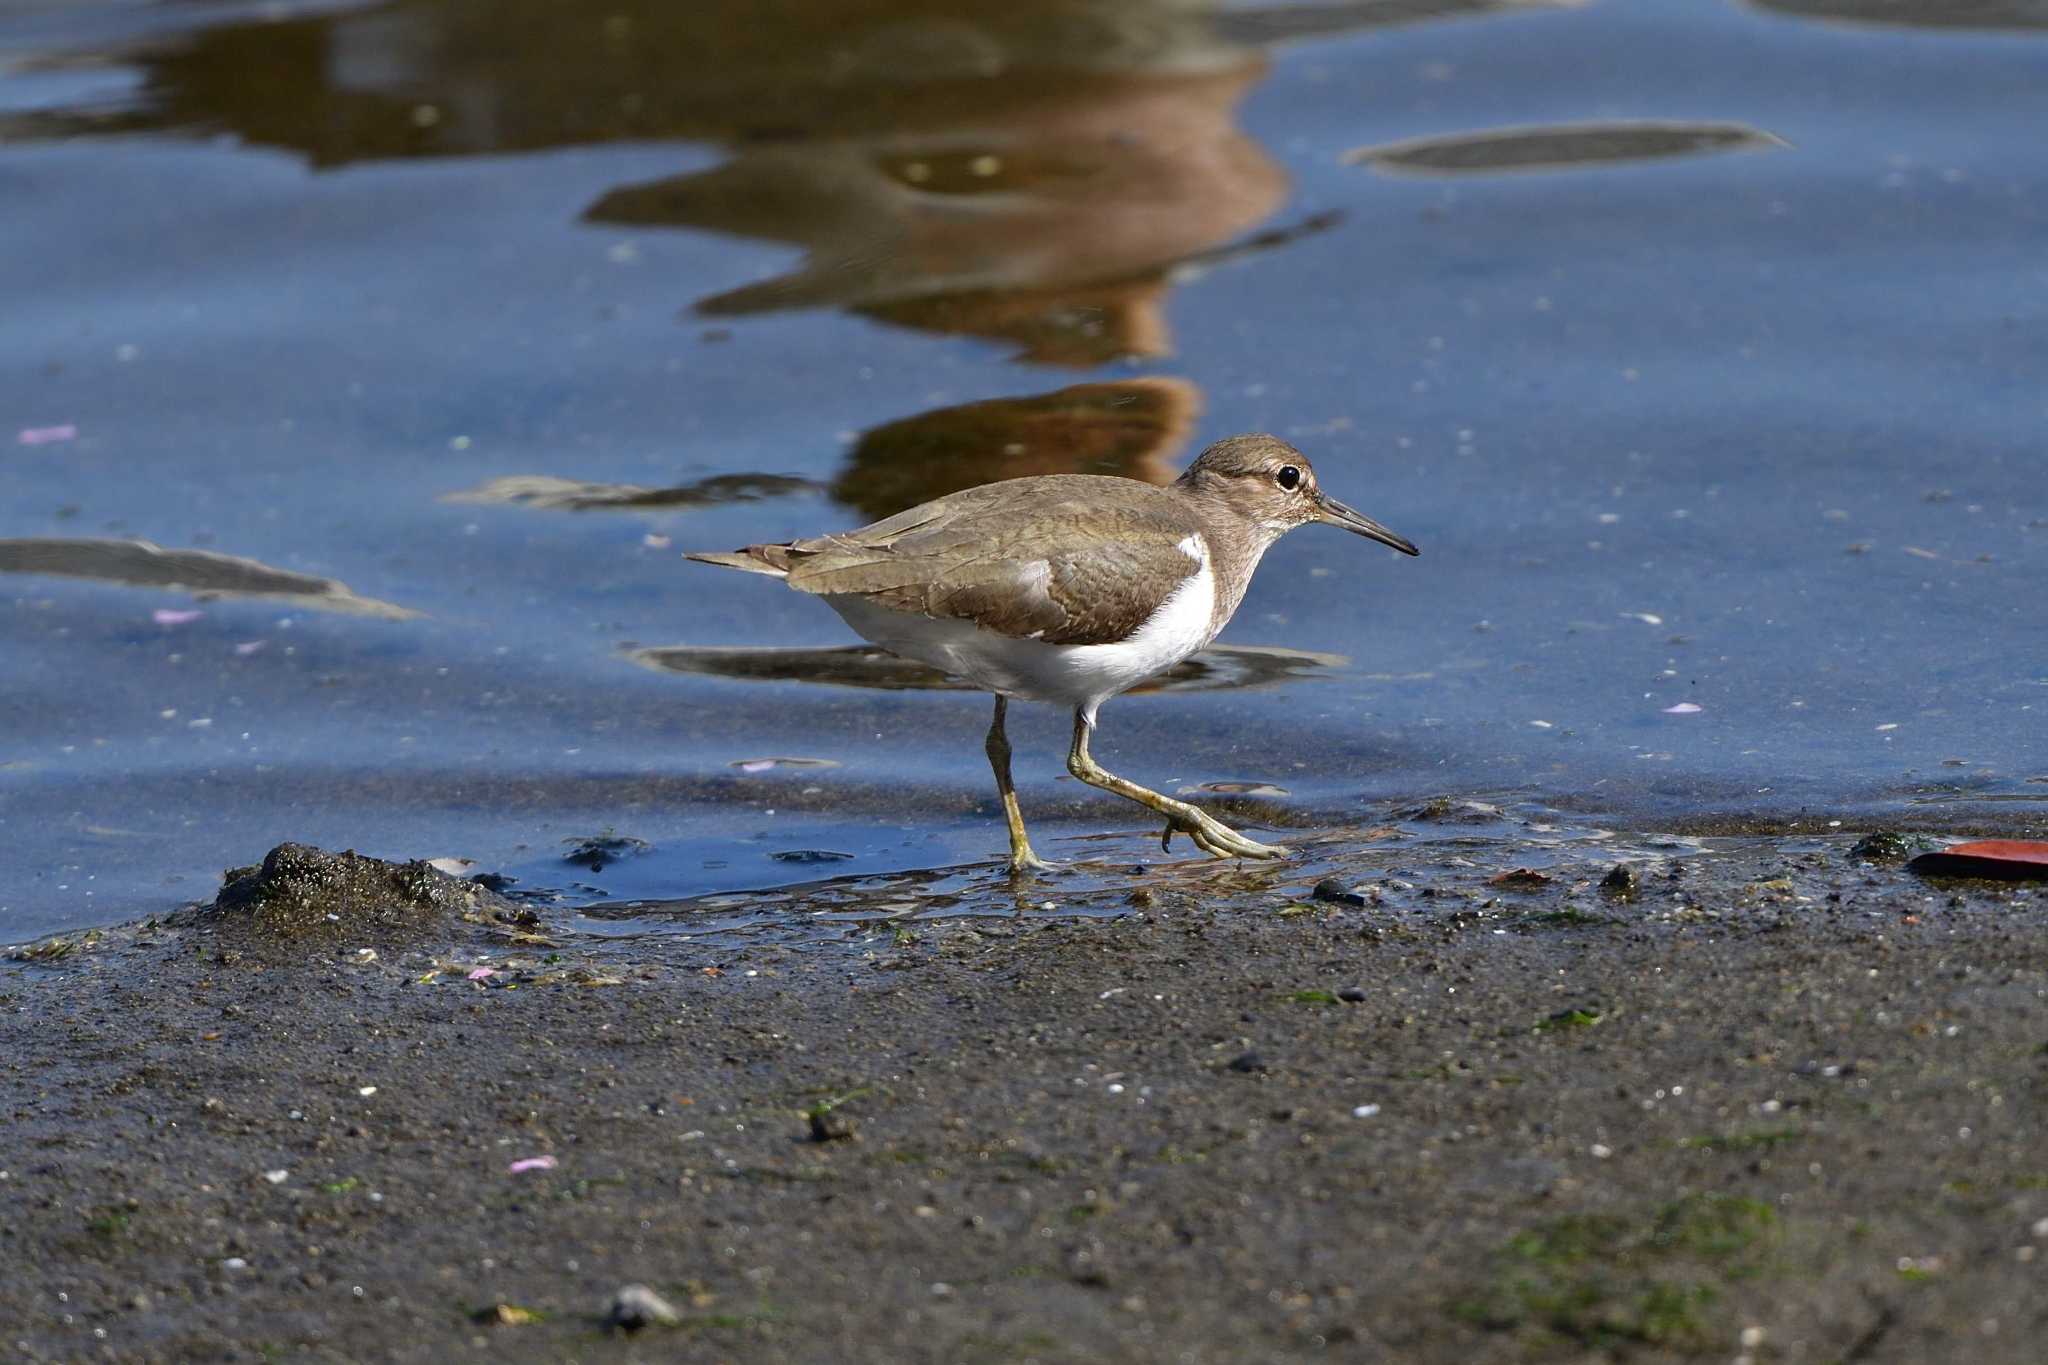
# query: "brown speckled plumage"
[[1070, 559]]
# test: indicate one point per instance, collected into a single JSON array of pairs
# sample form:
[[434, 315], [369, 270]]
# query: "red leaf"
[[2008, 859]]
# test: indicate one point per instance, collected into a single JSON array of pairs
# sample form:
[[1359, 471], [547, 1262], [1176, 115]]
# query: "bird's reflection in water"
[[1029, 173], [1043, 209], [1217, 668]]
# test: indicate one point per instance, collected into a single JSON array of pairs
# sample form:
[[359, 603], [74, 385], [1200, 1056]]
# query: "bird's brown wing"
[[1078, 568]]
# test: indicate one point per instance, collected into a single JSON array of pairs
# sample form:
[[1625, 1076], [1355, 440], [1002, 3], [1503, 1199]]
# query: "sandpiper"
[[1069, 588]]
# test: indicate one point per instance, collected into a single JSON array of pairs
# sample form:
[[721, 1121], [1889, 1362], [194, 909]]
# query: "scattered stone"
[[636, 1306], [1248, 1062], [1352, 995], [829, 1125], [600, 850], [1621, 881], [810, 855], [54, 949], [505, 1315], [1445, 810], [1584, 1016], [1883, 847], [1331, 889], [1520, 879]]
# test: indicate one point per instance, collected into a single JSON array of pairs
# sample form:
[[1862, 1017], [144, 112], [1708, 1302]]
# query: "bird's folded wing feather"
[[1069, 572]]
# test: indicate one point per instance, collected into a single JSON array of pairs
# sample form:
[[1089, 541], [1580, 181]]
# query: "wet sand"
[[1781, 1104]]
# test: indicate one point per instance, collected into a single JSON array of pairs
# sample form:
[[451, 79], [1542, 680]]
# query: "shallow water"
[[1699, 346], [1383, 867]]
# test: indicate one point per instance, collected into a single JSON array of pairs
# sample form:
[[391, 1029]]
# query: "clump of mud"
[[299, 889]]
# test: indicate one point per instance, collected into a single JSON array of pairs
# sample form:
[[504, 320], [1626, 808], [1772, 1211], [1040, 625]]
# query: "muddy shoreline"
[[1780, 1102]]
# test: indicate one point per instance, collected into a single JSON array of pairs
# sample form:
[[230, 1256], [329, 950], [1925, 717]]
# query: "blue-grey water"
[[1702, 346]]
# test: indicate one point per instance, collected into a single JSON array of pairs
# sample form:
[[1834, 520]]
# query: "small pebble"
[[1622, 881], [829, 1125], [1882, 847], [636, 1306], [1248, 1062], [1331, 889], [1352, 995]]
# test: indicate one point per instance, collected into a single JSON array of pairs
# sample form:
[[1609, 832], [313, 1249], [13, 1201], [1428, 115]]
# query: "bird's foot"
[[1024, 863], [1215, 838]]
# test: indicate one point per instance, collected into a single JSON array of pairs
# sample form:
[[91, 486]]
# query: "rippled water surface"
[[365, 368]]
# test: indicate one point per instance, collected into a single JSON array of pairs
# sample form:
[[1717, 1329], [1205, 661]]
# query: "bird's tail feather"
[[772, 560]]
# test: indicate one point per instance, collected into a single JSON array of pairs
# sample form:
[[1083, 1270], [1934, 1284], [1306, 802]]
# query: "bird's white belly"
[[1081, 676]]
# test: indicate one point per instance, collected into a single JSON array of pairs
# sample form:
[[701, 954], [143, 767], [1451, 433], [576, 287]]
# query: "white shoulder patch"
[[1194, 547]]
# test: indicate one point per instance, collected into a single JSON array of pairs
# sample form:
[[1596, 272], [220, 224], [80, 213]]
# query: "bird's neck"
[[1235, 545]]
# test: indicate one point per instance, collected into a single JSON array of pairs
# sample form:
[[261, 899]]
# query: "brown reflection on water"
[[1216, 668], [1559, 146], [1132, 428], [204, 573], [1041, 209], [1984, 14], [1027, 172], [545, 490]]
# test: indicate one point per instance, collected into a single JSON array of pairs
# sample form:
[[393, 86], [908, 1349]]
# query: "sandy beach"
[[1769, 1106]]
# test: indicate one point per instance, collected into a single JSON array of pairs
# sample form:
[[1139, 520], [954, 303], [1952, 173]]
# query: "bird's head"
[[1273, 487]]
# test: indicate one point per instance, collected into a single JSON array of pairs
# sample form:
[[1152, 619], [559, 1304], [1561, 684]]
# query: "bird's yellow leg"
[[1210, 835], [1022, 859]]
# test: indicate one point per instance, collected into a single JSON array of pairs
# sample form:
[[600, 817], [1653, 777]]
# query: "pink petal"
[[1684, 708], [41, 436], [531, 1163], [483, 974], [248, 647], [165, 616]]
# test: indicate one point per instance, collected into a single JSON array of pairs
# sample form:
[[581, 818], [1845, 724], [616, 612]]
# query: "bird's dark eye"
[[1289, 477]]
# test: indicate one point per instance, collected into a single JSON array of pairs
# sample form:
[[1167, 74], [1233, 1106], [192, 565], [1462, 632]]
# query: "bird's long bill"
[[1337, 514]]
